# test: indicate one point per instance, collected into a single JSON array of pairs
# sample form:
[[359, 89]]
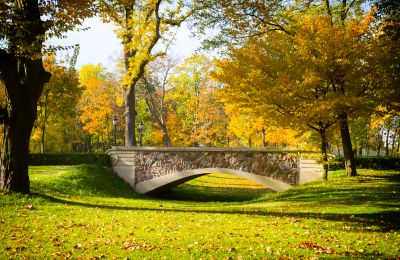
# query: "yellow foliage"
[[298, 78], [97, 104]]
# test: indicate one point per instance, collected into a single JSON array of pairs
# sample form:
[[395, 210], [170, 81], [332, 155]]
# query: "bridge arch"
[[152, 169], [165, 182]]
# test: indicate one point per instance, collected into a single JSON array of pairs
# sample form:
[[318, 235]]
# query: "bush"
[[70, 159], [368, 162]]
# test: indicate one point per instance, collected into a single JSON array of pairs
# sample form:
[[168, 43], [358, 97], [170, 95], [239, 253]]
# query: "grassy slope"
[[85, 211]]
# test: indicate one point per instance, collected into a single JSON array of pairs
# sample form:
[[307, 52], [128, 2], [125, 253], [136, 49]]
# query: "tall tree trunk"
[[347, 146], [159, 115], [42, 139], [387, 142], [324, 146], [130, 118], [130, 106], [166, 139], [20, 114], [24, 78], [264, 144], [379, 144]]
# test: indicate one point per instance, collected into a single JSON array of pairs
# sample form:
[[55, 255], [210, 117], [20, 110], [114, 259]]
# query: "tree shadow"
[[204, 193], [378, 190], [381, 221]]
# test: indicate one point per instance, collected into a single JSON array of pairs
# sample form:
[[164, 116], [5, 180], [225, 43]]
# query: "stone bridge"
[[150, 169]]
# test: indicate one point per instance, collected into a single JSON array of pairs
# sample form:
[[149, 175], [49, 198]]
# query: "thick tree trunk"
[[347, 146], [130, 118], [14, 154], [21, 113], [22, 72]]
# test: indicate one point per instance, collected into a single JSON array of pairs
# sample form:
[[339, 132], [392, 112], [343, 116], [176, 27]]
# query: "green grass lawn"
[[86, 212]]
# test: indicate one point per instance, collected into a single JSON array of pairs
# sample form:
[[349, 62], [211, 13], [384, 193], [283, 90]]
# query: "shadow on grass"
[[370, 190], [196, 193], [95, 181], [383, 221], [366, 189]]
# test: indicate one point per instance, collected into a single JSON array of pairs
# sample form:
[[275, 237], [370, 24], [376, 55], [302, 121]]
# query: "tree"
[[255, 129], [25, 25], [155, 85], [235, 21], [141, 24], [197, 117], [314, 78], [98, 103], [59, 96], [243, 20]]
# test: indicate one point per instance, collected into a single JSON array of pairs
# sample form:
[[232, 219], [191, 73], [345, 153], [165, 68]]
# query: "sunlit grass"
[[87, 212]]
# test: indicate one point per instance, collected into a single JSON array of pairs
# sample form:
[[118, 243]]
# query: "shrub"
[[368, 162], [70, 159]]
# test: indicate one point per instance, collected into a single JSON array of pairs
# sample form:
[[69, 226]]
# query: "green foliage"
[[369, 162], [70, 159], [86, 212]]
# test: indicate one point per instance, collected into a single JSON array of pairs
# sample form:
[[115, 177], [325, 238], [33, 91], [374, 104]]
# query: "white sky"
[[100, 45]]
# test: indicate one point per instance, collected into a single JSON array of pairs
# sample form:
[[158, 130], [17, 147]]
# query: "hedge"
[[369, 162], [69, 159]]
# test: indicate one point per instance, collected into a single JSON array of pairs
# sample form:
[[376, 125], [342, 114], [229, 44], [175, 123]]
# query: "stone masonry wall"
[[154, 163]]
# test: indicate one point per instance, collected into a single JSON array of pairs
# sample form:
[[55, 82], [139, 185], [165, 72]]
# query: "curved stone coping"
[[123, 149], [166, 181]]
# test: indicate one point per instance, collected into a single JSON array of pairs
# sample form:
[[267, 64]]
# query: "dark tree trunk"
[[130, 118], [321, 128], [87, 145], [22, 72], [166, 139], [379, 144], [20, 115], [347, 146], [130, 106], [264, 144], [14, 154], [130, 55], [387, 143], [324, 146]]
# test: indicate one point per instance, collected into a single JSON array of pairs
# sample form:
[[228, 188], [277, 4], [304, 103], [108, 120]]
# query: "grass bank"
[[86, 212]]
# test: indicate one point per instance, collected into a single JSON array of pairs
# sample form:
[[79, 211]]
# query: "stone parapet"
[[141, 164]]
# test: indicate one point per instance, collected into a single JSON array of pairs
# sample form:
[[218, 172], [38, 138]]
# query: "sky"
[[99, 44]]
